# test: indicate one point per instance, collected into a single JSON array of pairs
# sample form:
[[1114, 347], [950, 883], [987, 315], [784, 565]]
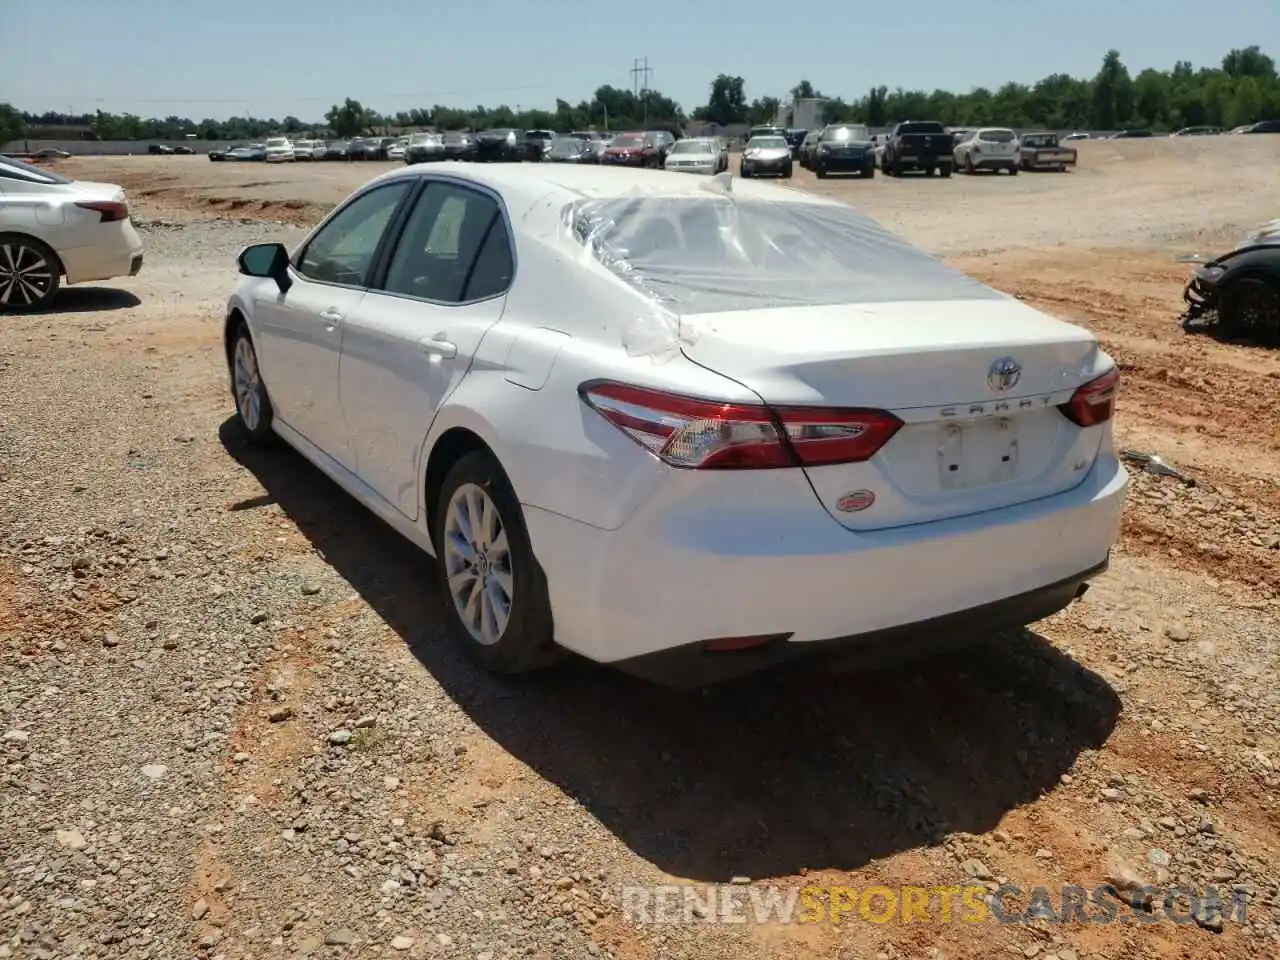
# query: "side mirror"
[[266, 260]]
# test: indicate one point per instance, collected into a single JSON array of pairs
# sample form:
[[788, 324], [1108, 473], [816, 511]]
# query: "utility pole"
[[640, 72]]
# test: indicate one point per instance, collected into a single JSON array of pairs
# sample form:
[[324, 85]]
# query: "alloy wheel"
[[247, 383], [477, 560], [26, 275]]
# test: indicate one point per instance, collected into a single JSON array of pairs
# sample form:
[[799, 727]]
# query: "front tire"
[[30, 274], [495, 591], [1250, 307], [249, 391]]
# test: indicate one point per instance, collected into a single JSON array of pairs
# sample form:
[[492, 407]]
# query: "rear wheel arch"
[[16, 235], [235, 320], [452, 445]]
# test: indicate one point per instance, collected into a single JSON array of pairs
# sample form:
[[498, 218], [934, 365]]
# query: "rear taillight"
[[712, 435], [110, 209], [1095, 402]]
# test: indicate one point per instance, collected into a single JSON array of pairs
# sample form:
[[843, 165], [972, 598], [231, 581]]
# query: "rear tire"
[[494, 590], [249, 391], [1013, 170], [945, 171], [30, 274]]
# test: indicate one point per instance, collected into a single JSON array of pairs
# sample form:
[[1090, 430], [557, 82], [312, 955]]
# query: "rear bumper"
[[913, 161], [702, 560], [692, 665], [993, 163], [116, 252], [1035, 162], [845, 164]]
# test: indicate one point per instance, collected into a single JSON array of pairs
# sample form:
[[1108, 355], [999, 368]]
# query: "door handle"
[[332, 315], [438, 347]]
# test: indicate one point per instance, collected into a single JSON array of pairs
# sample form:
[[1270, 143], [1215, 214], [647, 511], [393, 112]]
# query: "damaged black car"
[[1240, 289]]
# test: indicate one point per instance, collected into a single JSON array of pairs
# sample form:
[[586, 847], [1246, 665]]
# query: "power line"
[[640, 72]]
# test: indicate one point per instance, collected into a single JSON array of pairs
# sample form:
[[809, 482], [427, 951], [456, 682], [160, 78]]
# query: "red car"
[[631, 150]]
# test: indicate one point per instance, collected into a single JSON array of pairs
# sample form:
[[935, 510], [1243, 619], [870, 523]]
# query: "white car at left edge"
[[688, 427], [54, 230]]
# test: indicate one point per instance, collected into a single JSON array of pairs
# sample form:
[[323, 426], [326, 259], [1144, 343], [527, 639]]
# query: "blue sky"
[[280, 57]]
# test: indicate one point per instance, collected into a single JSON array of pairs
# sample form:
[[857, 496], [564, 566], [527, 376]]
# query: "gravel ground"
[[229, 726]]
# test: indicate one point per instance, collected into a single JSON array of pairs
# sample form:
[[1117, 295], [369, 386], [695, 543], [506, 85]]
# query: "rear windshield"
[[693, 146], [628, 140], [997, 136], [1038, 140], [11, 169], [711, 254], [848, 132], [921, 126], [770, 143]]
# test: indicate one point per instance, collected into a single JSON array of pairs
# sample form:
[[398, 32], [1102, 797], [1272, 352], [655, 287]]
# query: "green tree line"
[[1244, 88]]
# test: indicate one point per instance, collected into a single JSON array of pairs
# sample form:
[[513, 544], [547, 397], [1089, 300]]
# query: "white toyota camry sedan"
[[690, 427], [53, 230]]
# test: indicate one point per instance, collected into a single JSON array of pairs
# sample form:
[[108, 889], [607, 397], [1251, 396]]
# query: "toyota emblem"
[[1003, 375]]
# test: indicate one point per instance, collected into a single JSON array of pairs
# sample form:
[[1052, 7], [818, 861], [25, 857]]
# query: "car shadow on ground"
[[763, 777], [91, 300]]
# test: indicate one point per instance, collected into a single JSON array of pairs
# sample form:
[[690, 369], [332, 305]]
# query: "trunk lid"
[[92, 190], [975, 436]]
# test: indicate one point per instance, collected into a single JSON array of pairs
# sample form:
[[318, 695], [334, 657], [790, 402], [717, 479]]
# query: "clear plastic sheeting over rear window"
[[716, 253]]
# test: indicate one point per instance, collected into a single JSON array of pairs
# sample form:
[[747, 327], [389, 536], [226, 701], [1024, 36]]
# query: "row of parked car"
[[657, 149], [924, 146], [918, 146]]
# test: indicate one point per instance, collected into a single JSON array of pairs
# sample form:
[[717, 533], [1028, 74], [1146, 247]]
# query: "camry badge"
[[1003, 375]]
